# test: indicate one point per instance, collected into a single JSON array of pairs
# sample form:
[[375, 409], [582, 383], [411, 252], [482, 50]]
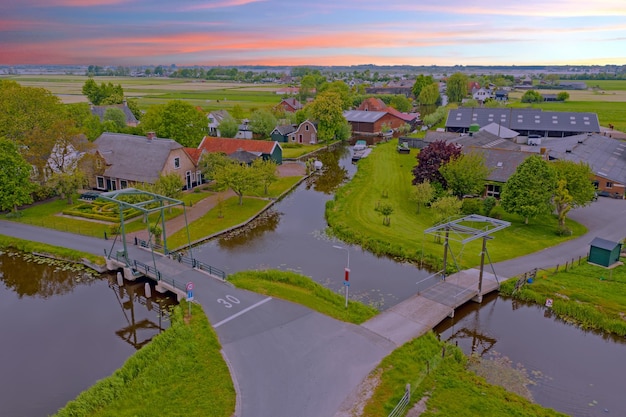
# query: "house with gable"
[[100, 111], [481, 95], [290, 105], [305, 133], [268, 150], [215, 118], [121, 161], [605, 156], [281, 133]]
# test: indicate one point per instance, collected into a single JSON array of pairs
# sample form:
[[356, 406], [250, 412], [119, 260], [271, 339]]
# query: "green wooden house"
[[604, 252]]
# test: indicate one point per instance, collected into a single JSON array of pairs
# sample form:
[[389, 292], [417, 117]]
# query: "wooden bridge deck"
[[422, 312]]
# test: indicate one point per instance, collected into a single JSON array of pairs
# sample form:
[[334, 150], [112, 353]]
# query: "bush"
[[488, 205], [472, 206]]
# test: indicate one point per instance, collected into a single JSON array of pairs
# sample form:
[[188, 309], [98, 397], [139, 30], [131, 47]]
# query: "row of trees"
[[536, 188]]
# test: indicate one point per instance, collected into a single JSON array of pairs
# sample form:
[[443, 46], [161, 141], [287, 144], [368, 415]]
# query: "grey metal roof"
[[598, 242], [485, 139], [284, 130], [244, 156], [134, 158], [606, 156], [524, 119], [501, 131], [502, 162], [363, 116], [101, 110]]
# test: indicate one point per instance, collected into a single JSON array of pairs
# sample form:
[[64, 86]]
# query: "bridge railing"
[[211, 270]]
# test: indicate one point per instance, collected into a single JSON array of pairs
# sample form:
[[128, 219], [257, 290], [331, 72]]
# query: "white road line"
[[245, 310]]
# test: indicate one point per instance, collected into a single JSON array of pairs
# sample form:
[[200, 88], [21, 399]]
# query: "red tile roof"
[[229, 146], [372, 104], [194, 154], [404, 116]]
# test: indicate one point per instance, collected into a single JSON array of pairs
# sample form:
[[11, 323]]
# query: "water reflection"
[[131, 296], [63, 331], [56, 278], [577, 372], [332, 174], [267, 222]]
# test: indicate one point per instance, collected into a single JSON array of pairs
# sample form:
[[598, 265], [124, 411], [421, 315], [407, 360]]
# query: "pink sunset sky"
[[320, 32]]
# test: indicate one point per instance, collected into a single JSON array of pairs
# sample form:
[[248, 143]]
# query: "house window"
[[493, 190], [100, 183], [609, 184], [98, 163], [306, 127], [176, 163], [123, 184]]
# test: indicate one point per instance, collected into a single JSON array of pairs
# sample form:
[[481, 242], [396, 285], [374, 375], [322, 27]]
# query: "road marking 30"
[[245, 310]]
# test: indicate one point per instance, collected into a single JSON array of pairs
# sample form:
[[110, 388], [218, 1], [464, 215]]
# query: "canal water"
[[63, 329], [293, 237], [577, 372]]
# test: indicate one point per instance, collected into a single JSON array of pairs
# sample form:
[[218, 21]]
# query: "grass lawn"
[[276, 188], [303, 290], [227, 214], [56, 251], [444, 382], [385, 176], [589, 295], [296, 150], [180, 372]]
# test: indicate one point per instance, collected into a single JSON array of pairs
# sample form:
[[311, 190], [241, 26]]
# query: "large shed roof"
[[524, 119]]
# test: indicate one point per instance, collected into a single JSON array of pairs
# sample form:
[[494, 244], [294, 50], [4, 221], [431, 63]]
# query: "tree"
[[237, 112], [228, 127], [176, 120], [133, 105], [429, 95], [420, 82], [422, 194], [435, 117], [240, 178], [532, 96], [117, 116], [466, 174], [446, 207], [67, 183], [562, 96], [86, 122], [262, 122], [103, 94], [456, 87], [400, 103], [169, 185], [327, 110], [211, 163], [266, 169], [14, 177], [431, 158], [24, 109], [528, 192], [341, 89], [575, 188], [385, 209]]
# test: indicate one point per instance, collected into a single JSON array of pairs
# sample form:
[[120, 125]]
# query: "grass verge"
[[181, 372], [385, 176], [303, 290], [227, 213], [585, 294], [296, 150], [438, 376], [55, 251]]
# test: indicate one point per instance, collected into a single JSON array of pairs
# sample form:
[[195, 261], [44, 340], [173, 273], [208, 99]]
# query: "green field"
[[209, 95]]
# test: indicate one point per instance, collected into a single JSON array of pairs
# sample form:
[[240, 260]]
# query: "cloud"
[[220, 4]]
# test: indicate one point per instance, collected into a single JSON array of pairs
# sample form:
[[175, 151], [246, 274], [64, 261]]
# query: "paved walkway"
[[199, 209]]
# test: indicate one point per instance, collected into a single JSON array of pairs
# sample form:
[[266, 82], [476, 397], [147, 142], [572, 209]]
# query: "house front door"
[[188, 179]]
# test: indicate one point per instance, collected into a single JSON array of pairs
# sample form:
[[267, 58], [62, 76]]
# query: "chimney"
[[150, 135]]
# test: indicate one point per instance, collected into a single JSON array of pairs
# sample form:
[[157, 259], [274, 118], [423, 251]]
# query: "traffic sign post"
[[189, 288], [346, 283]]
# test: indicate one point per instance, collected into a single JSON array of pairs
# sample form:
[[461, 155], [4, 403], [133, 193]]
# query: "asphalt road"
[[604, 218], [287, 360]]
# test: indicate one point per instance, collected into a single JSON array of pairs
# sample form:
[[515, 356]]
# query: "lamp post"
[[346, 282]]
